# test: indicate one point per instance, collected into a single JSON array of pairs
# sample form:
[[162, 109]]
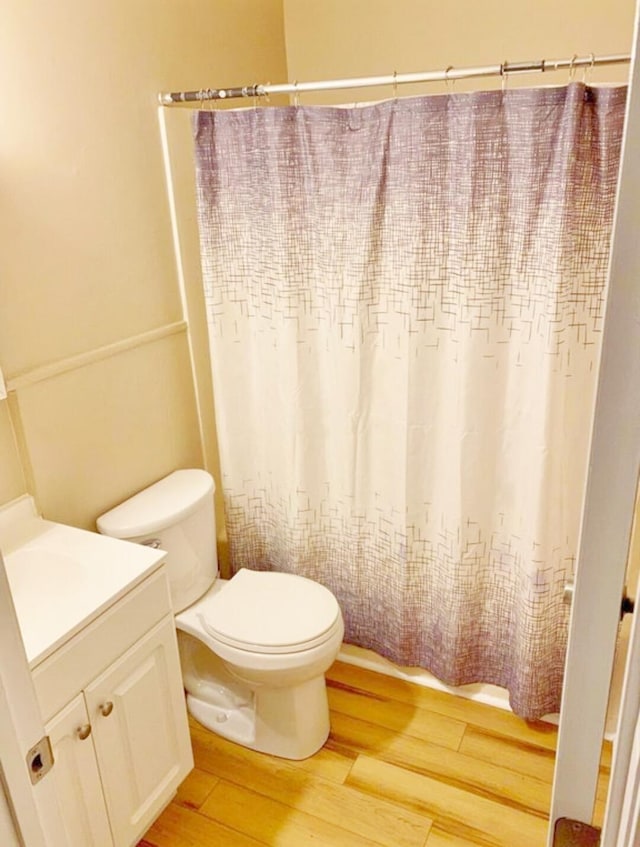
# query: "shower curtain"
[[405, 303]]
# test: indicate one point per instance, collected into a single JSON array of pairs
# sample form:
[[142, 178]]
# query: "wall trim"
[[81, 360]]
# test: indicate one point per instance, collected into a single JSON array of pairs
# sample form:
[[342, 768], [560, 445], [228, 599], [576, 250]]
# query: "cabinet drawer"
[[64, 674]]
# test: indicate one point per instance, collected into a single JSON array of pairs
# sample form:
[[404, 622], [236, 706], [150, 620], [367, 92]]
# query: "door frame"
[[609, 501], [34, 808], [622, 819]]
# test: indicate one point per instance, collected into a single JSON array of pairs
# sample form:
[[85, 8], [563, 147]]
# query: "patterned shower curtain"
[[405, 303]]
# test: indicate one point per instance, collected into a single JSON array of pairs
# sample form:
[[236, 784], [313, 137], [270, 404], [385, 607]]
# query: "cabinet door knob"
[[84, 731], [106, 708]]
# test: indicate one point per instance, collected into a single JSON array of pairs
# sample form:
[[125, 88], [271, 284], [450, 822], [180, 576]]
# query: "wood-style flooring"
[[404, 766]]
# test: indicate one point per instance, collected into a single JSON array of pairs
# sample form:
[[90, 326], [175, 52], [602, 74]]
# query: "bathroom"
[[93, 345]]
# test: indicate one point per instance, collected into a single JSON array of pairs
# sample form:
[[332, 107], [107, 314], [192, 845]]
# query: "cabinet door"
[[77, 778], [141, 734]]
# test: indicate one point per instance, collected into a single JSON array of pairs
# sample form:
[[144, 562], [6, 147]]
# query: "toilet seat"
[[269, 612]]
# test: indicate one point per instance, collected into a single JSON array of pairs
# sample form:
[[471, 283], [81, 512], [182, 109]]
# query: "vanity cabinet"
[[117, 721]]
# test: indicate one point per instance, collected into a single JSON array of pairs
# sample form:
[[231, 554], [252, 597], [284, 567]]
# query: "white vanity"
[[99, 634]]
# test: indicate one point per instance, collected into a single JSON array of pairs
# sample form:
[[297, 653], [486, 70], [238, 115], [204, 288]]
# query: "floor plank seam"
[[342, 832], [433, 772], [407, 732], [231, 828], [470, 788], [460, 784], [351, 767], [516, 743]]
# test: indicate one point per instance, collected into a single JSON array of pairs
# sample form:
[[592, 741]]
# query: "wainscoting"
[[405, 766]]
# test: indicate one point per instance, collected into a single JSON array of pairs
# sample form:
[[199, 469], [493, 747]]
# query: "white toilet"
[[253, 649]]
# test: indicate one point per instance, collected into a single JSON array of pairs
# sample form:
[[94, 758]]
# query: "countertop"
[[62, 578]]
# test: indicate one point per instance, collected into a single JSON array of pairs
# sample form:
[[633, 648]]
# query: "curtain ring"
[[296, 95], [208, 100], [572, 67], [503, 75], [448, 81], [395, 85], [588, 68]]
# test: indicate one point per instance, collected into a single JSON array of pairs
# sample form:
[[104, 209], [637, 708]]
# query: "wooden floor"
[[404, 766]]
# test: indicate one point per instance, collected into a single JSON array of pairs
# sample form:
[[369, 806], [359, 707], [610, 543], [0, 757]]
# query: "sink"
[[62, 577], [56, 574]]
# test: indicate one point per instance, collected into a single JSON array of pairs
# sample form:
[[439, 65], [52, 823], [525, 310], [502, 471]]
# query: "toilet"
[[253, 649]]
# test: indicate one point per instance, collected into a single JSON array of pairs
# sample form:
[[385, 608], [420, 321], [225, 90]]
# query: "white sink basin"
[[62, 577], [57, 575]]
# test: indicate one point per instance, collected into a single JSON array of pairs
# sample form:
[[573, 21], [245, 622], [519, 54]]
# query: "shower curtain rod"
[[447, 75]]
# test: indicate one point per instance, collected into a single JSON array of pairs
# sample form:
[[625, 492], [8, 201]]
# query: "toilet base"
[[290, 722]]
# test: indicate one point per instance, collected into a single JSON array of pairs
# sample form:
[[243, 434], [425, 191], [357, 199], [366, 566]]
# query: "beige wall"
[[12, 481], [328, 39], [103, 399]]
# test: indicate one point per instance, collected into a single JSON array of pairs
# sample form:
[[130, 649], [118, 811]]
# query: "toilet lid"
[[269, 612]]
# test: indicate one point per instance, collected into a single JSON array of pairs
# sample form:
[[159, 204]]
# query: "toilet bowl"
[[253, 649]]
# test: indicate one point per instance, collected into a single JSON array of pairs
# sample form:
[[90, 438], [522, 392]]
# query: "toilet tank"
[[175, 514]]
